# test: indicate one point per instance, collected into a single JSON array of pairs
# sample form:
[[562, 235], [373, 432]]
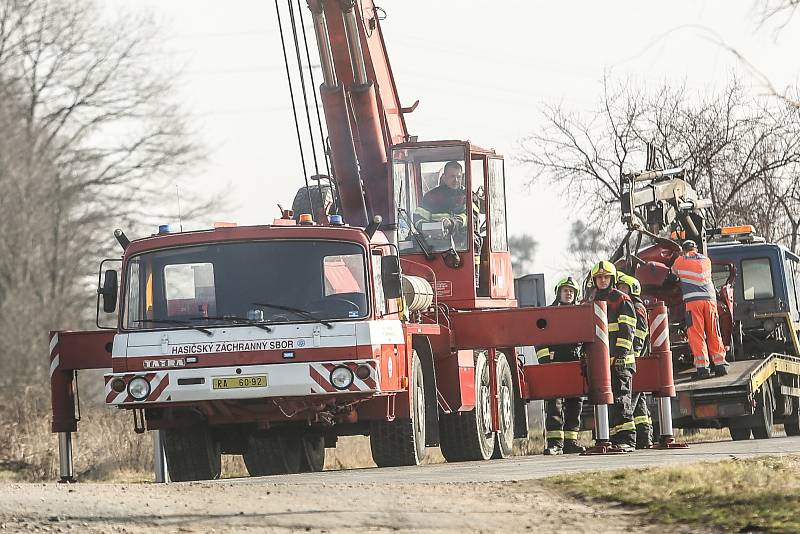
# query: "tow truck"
[[353, 318], [757, 300]]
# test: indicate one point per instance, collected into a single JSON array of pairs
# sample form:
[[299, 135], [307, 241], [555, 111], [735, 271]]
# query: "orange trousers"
[[702, 321]]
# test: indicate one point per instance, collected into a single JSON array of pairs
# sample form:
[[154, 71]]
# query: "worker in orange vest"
[[702, 319]]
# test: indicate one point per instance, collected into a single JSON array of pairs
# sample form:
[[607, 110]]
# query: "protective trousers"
[[643, 421], [702, 322], [623, 429], [563, 420]]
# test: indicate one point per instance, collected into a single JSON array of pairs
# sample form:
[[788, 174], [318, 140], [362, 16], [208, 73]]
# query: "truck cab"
[[766, 294]]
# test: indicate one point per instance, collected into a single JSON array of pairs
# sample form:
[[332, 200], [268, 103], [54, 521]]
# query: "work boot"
[[644, 444], [625, 447], [721, 370], [571, 447], [553, 450], [701, 373]]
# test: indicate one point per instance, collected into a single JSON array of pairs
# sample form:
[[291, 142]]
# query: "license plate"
[[235, 382]]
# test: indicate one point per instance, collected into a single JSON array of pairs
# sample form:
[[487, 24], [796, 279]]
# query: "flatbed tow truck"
[[757, 298]]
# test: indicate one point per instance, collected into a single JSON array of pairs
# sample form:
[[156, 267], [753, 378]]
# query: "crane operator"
[[446, 202]]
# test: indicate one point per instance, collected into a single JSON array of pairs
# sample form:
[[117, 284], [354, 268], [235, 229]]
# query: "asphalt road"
[[534, 467]]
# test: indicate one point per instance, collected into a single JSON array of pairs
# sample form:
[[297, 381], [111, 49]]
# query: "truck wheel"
[[741, 433], [468, 436], [301, 205], [504, 438], [402, 441], [192, 454], [792, 423], [313, 457], [763, 429], [276, 453]]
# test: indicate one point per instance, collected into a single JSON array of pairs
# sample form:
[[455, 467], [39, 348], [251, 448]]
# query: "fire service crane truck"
[[374, 317], [757, 299]]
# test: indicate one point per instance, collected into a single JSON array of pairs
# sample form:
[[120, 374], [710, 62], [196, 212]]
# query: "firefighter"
[[702, 319], [641, 414], [446, 202], [563, 415], [621, 328]]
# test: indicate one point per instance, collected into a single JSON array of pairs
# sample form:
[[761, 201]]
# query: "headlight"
[[341, 377], [139, 388]]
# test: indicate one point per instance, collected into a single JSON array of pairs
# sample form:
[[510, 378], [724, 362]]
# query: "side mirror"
[[391, 277], [109, 291]]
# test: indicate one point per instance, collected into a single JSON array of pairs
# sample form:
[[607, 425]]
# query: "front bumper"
[[282, 380]]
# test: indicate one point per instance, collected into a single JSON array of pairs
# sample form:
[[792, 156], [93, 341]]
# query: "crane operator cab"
[[451, 218]]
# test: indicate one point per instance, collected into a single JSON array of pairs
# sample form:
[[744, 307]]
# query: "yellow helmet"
[[568, 282], [631, 282], [605, 267]]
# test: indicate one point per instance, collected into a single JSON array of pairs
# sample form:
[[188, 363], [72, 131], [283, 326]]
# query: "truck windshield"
[[206, 285]]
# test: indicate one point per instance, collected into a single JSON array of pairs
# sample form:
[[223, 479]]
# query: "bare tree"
[[91, 141], [740, 151]]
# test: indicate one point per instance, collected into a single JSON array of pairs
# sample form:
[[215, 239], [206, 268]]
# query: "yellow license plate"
[[234, 382]]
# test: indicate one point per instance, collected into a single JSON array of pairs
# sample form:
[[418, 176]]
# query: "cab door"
[[501, 277]]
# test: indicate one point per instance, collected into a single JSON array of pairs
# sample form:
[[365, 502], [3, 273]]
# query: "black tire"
[[466, 436], [504, 438], [402, 441], [192, 454], [737, 348], [276, 453], [301, 204], [792, 423], [739, 433], [313, 457], [764, 429]]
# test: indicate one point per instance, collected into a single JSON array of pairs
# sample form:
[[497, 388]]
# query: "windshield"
[[432, 196], [246, 283]]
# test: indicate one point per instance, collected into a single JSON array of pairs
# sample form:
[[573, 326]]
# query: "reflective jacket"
[[642, 332], [621, 324], [560, 353], [694, 271], [443, 202]]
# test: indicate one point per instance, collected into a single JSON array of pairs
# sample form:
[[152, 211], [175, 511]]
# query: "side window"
[[189, 289], [133, 300], [377, 282], [757, 279], [497, 203], [478, 197], [720, 274], [790, 264]]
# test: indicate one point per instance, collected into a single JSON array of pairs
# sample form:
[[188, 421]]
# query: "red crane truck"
[[271, 341]]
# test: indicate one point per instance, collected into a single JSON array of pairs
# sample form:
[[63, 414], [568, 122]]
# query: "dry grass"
[[105, 448], [757, 494]]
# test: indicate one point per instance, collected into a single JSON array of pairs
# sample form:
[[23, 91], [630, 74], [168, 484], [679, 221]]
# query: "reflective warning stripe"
[[570, 434], [627, 319], [543, 353], [624, 343], [628, 426], [613, 327], [629, 359], [642, 420], [422, 212], [641, 334], [555, 434]]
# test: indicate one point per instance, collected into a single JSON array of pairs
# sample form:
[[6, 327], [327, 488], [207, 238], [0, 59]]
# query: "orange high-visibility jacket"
[[694, 270]]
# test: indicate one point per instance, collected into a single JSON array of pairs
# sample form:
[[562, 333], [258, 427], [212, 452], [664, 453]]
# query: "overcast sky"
[[481, 70]]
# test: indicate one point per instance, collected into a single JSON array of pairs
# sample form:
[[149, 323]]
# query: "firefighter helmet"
[[605, 267], [568, 282], [631, 282]]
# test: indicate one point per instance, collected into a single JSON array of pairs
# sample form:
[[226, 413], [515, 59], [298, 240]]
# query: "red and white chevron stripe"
[[320, 373], [158, 383]]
